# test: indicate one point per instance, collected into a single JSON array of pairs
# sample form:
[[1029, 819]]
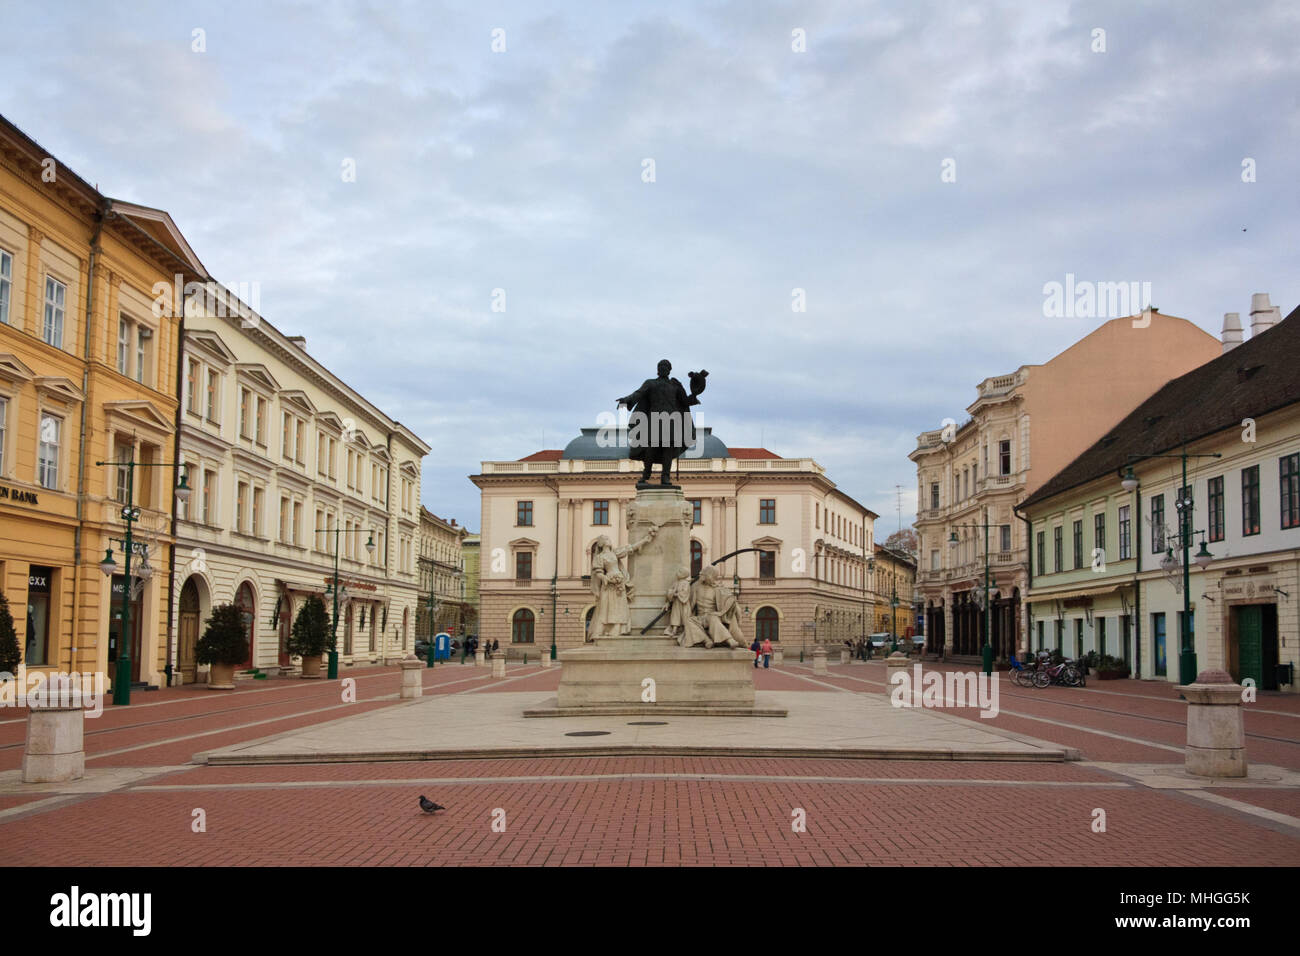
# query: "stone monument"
[[661, 643]]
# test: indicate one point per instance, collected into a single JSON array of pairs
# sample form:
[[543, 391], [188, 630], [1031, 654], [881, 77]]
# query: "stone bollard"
[[844, 655], [56, 749], [480, 657], [893, 662], [777, 655], [498, 665], [819, 660], [412, 677], [1216, 736], [546, 659]]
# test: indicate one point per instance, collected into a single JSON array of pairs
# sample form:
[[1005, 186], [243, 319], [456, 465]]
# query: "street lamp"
[[986, 650], [1129, 481], [334, 589], [131, 514]]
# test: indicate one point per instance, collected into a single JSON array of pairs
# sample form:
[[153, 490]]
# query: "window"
[[1057, 549], [209, 496], [286, 514], [123, 346], [1250, 500], [934, 496], [259, 432], [1125, 534], [1078, 543], [258, 496], [47, 453], [1099, 532], [122, 492], [213, 396], [934, 555], [6, 284], [244, 418], [767, 625], [241, 496], [1004, 457], [1289, 490], [523, 565], [767, 564], [1101, 635], [1006, 537], [524, 513], [818, 515], [56, 294], [521, 627], [1158, 524], [600, 511], [37, 652], [1042, 553], [697, 511], [142, 336], [767, 511], [697, 558], [1214, 501], [192, 372]]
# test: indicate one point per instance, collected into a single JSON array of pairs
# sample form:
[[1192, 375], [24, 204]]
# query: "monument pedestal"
[[649, 673]]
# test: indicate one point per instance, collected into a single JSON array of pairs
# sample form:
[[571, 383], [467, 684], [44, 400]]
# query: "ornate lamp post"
[[987, 649], [334, 589], [131, 514], [1129, 480]]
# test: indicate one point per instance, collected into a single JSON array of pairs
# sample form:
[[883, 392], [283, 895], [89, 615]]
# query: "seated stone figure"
[[717, 614]]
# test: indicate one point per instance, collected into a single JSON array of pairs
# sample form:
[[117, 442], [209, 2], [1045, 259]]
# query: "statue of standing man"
[[660, 428]]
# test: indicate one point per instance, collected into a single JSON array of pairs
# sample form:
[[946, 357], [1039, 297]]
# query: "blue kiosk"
[[441, 647]]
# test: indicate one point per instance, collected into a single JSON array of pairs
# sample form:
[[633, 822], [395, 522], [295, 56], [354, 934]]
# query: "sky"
[[492, 219]]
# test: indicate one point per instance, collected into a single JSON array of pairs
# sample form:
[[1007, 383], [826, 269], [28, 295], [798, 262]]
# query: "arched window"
[[521, 626], [247, 613], [697, 558], [768, 624]]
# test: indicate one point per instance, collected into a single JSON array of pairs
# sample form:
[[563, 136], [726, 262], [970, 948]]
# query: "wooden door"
[[1250, 644]]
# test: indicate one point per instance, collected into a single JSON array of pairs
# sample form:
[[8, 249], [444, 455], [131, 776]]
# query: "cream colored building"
[[442, 576], [287, 464], [1024, 427], [1107, 561], [541, 514]]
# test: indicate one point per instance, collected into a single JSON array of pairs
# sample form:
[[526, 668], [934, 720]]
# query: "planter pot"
[[311, 668], [221, 677]]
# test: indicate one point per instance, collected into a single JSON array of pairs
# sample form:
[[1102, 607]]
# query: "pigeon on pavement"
[[428, 806]]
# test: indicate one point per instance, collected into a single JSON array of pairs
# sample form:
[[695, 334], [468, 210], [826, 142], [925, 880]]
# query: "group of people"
[[471, 646], [762, 652], [859, 649]]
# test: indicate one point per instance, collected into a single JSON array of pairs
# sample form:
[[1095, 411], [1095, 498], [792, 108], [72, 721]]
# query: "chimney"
[[1263, 316], [300, 341], [1231, 334]]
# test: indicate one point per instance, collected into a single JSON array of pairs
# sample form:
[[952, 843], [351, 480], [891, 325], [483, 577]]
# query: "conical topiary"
[[10, 653], [310, 636], [225, 640]]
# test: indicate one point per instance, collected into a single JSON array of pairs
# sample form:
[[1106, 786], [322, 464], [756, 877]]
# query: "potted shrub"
[[310, 637], [1111, 668], [10, 653], [224, 646]]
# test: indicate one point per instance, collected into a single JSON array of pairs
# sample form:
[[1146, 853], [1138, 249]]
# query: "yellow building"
[[442, 576], [893, 577], [88, 374]]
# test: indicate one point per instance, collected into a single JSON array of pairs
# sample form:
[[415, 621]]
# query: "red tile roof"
[[548, 454], [751, 452]]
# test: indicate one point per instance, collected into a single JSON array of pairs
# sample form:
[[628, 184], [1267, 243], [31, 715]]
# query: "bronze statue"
[[660, 428]]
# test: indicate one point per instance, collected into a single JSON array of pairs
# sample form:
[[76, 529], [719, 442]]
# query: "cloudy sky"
[[822, 169]]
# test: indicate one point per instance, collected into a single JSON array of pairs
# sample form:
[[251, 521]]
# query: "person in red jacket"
[[767, 652]]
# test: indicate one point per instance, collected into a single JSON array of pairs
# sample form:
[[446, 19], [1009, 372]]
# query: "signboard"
[[8, 493]]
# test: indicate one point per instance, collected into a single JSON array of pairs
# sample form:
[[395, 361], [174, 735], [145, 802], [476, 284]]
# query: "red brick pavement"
[[645, 822]]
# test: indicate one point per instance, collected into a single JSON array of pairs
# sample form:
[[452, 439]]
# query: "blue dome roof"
[[603, 444]]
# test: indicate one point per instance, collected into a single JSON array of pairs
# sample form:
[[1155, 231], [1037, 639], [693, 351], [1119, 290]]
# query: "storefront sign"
[[23, 497]]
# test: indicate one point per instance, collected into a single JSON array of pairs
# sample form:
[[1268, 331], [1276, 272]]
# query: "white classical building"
[[806, 582], [287, 463]]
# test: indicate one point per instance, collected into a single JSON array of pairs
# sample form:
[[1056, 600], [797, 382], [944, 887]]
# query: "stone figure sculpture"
[[610, 586], [660, 428], [678, 605], [716, 614]]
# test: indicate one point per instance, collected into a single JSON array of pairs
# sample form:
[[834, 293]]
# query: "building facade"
[[296, 479], [1108, 561], [470, 554], [442, 576], [806, 582], [88, 378], [892, 584], [1024, 427]]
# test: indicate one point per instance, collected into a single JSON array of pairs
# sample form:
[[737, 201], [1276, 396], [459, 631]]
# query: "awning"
[[1099, 590]]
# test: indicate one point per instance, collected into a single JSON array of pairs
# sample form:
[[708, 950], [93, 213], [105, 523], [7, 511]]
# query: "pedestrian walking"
[[767, 652], [757, 649]]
